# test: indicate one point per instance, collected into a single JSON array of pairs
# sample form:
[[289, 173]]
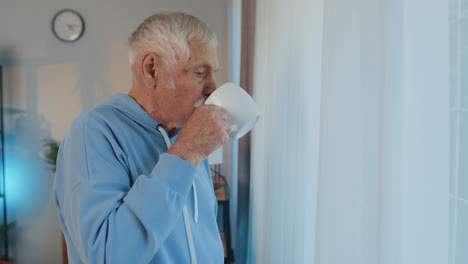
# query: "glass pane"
[[453, 9], [453, 150], [463, 5], [461, 254], [463, 156], [464, 64], [453, 204], [454, 57]]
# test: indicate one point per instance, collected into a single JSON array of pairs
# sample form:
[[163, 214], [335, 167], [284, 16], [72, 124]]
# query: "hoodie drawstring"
[[188, 230]]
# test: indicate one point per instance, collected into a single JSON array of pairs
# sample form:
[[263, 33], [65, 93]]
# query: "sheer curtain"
[[348, 216], [350, 160], [285, 142]]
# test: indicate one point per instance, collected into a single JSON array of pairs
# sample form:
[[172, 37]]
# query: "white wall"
[[47, 83]]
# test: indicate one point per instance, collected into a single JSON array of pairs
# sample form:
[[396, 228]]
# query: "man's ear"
[[149, 69]]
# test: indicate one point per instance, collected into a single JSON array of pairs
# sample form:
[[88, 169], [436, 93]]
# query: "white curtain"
[[347, 215], [287, 84], [350, 159]]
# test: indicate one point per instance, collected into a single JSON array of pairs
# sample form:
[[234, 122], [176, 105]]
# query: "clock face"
[[68, 25]]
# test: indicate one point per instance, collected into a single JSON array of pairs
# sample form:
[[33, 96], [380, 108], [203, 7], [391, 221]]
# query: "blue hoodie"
[[120, 198]]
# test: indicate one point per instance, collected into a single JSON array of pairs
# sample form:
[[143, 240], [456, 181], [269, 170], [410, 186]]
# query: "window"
[[459, 131]]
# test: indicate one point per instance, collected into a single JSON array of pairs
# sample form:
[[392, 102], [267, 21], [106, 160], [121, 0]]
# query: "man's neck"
[[145, 102]]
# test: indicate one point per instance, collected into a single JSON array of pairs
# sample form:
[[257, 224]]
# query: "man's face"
[[194, 82]]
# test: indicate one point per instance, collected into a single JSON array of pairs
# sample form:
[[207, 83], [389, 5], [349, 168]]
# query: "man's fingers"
[[217, 111]]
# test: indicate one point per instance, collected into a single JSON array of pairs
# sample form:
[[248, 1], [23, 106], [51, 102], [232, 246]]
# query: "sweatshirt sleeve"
[[108, 219]]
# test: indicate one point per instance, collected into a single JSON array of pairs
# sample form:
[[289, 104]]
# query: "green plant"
[[4, 229], [50, 153]]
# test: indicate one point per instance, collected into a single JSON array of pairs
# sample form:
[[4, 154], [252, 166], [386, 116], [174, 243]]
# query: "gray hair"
[[167, 34]]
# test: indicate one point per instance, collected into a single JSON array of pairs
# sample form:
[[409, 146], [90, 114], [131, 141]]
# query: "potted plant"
[[50, 153]]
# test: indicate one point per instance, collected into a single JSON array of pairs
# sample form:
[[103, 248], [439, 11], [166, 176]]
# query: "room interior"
[[358, 154]]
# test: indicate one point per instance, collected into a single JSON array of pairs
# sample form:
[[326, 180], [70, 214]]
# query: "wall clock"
[[68, 25]]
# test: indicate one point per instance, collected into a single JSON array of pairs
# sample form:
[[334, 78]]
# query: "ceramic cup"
[[241, 109]]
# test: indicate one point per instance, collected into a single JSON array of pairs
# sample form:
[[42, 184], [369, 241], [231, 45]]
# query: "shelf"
[[223, 218]]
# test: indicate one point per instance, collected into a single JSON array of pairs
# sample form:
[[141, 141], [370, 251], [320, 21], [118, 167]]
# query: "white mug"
[[241, 109]]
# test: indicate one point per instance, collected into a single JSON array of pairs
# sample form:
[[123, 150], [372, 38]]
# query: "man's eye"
[[201, 74]]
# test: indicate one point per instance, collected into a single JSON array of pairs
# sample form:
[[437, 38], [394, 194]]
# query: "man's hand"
[[205, 131]]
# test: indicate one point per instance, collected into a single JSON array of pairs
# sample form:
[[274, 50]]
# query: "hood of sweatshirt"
[[129, 107]]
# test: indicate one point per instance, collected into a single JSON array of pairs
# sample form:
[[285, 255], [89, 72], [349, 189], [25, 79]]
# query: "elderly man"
[[133, 184]]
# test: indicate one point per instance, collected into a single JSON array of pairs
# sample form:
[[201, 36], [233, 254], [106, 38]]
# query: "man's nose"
[[210, 87]]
